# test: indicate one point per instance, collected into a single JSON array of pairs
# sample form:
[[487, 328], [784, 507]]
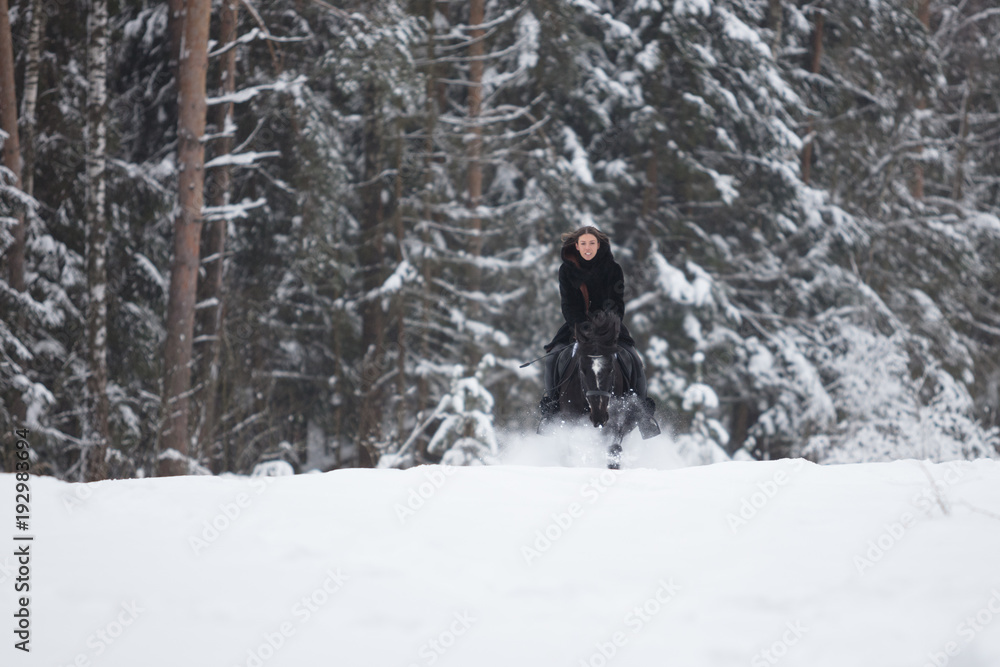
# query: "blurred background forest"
[[803, 196]]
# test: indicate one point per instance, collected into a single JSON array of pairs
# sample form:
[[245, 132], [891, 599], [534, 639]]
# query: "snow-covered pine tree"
[[464, 432], [883, 134], [840, 317]]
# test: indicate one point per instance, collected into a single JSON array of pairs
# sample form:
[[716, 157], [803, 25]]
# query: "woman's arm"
[[573, 308], [618, 290]]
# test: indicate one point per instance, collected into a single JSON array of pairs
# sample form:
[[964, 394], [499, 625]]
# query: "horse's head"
[[598, 350]]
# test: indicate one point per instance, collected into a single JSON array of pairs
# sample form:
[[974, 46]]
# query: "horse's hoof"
[[615, 457]]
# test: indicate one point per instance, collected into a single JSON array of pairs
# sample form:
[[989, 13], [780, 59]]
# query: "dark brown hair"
[[570, 238]]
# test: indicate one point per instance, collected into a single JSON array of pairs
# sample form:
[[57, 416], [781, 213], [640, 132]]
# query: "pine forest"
[[318, 234]]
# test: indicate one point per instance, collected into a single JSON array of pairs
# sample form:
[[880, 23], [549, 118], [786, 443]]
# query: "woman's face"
[[587, 246]]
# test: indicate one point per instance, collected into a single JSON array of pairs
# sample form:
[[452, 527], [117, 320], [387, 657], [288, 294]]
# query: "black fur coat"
[[605, 283]]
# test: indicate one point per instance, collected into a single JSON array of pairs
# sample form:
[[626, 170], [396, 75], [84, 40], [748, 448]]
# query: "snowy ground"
[[742, 563]]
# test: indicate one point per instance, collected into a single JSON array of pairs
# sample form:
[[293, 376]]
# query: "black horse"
[[594, 384]]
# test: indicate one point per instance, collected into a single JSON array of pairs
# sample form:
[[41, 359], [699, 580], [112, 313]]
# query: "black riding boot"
[[549, 405]]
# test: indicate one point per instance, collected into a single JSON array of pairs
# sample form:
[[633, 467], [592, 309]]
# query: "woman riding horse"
[[590, 279]]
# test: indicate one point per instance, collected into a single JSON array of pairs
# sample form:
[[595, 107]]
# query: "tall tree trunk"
[[474, 137], [12, 160], [401, 298], [11, 146], [187, 235], [963, 146], [650, 200], [31, 68], [371, 257], [95, 467], [430, 127], [338, 407], [917, 186], [215, 247], [776, 22], [176, 10], [817, 58], [475, 150]]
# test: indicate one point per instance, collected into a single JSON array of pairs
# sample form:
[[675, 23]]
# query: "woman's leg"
[[549, 404]]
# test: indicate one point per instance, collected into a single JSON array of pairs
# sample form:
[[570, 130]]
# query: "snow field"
[[741, 563]]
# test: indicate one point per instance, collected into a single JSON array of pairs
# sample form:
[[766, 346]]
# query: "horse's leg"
[[615, 450], [615, 457], [619, 424]]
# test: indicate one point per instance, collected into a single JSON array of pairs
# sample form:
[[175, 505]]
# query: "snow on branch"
[[254, 35], [145, 173], [493, 301], [230, 211], [22, 197], [494, 116], [495, 55], [486, 25], [673, 282], [240, 159], [9, 340], [404, 273], [228, 131], [150, 270], [6, 239], [981, 16], [489, 28], [193, 467], [249, 93], [479, 330], [40, 311]]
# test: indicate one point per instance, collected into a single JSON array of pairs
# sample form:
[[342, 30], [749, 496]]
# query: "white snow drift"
[[741, 563]]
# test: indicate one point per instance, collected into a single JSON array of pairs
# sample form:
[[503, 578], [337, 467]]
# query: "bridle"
[[598, 392]]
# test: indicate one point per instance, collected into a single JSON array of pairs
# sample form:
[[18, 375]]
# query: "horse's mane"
[[600, 330]]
